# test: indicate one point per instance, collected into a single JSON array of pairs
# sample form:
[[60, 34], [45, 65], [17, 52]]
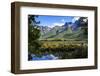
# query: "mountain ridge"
[[67, 31]]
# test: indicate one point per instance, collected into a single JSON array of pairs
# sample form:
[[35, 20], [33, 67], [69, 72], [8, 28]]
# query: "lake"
[[44, 57]]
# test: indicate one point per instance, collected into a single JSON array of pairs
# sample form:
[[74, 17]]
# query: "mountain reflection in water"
[[44, 57]]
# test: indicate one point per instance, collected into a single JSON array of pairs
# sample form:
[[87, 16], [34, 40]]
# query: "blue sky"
[[52, 21]]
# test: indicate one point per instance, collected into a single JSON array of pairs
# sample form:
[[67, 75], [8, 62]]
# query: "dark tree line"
[[83, 21], [33, 33]]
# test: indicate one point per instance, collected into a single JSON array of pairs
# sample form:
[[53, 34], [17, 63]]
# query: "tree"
[[33, 34], [84, 25]]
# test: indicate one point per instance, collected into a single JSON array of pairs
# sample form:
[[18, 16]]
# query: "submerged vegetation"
[[63, 49]]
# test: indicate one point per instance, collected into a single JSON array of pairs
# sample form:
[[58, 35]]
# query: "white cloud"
[[85, 20], [75, 18], [56, 24], [63, 20]]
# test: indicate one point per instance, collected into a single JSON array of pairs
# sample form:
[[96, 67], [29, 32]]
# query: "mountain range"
[[67, 31]]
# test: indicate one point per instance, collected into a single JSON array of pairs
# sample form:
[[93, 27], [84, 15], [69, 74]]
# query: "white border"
[[25, 64]]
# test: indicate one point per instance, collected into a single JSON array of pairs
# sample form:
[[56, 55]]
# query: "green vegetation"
[[63, 49], [79, 34], [33, 34]]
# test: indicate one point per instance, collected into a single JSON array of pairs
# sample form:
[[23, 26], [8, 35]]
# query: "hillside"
[[67, 31], [59, 33]]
